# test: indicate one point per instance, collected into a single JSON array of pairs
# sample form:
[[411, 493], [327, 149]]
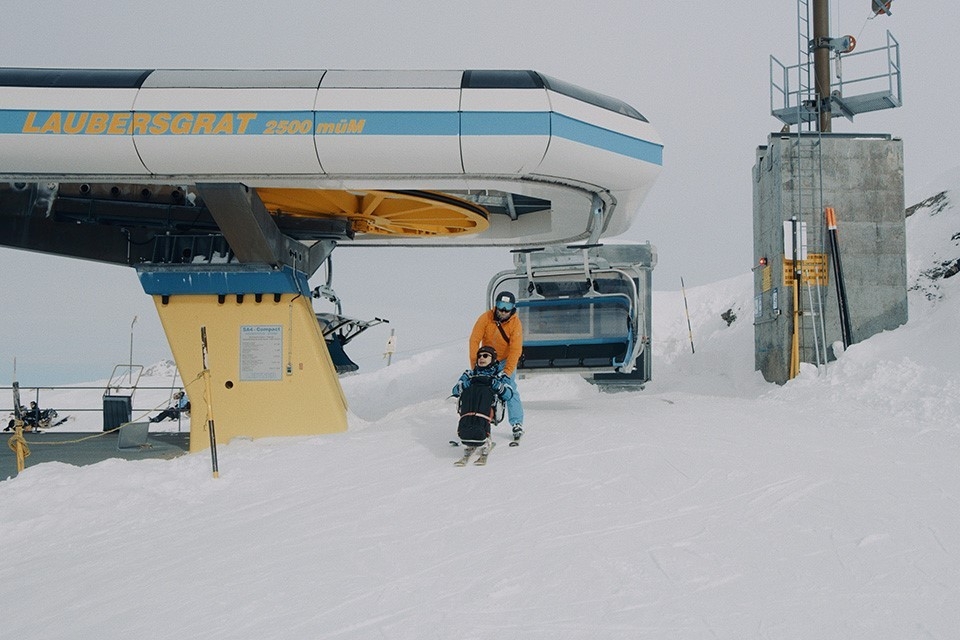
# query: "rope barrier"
[[21, 446]]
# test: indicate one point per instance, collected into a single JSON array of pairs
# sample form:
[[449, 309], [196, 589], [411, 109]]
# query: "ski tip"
[[515, 443]]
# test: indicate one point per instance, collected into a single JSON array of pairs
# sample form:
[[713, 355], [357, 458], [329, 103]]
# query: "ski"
[[466, 456], [482, 458], [516, 441]]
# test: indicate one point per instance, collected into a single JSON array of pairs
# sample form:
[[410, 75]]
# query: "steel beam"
[[251, 232]]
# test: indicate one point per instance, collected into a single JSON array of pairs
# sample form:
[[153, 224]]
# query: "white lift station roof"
[[536, 159]]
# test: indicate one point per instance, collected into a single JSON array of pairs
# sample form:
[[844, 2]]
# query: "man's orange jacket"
[[486, 333]]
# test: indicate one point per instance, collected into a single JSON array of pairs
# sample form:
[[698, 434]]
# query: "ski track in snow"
[[641, 524]]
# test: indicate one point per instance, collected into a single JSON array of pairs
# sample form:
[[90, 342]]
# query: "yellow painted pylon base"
[[270, 371]]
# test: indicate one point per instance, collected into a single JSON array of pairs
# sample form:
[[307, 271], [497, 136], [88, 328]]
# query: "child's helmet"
[[488, 349]]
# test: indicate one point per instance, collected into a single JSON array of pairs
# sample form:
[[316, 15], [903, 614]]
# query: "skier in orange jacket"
[[501, 329]]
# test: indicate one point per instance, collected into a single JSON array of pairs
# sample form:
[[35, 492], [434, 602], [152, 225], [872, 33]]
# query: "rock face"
[[933, 243]]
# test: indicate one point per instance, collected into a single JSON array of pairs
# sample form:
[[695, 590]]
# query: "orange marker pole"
[[845, 330]]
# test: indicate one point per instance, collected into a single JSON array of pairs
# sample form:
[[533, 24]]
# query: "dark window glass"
[[591, 97], [484, 79], [74, 78]]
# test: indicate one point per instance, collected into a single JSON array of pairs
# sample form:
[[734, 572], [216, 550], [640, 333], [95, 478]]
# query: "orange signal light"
[[880, 6]]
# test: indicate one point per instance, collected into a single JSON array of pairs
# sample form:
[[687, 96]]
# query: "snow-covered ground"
[[710, 505]]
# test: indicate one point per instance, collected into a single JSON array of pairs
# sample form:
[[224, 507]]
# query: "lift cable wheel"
[[400, 213]]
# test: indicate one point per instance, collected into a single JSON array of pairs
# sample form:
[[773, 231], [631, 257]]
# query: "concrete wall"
[[861, 177]]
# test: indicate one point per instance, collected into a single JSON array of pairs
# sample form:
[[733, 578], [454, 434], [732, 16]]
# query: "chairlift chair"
[[584, 309], [339, 329]]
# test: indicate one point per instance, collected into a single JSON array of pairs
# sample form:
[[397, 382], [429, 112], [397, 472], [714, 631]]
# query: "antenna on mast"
[[811, 92]]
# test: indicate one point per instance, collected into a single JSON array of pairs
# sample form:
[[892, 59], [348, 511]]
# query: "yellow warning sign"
[[813, 270], [766, 277]]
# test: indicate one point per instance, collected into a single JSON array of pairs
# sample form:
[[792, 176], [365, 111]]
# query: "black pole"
[[797, 266], [845, 331], [821, 62], [206, 384], [686, 310]]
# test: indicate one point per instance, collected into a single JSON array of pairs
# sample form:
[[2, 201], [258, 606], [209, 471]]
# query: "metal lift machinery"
[[228, 189]]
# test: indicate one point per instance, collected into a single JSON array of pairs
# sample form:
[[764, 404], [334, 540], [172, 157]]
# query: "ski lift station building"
[[828, 209]]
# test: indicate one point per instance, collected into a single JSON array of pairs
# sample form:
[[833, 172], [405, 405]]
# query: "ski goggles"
[[504, 306]]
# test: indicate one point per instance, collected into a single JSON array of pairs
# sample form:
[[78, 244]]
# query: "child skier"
[[479, 389]]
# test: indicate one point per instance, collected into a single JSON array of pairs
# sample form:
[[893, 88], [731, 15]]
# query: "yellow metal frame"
[[398, 213], [305, 399]]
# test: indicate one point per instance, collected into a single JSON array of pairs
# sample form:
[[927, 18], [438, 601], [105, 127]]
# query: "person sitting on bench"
[[180, 405]]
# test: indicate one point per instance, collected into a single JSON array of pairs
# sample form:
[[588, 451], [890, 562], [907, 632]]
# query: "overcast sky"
[[698, 70]]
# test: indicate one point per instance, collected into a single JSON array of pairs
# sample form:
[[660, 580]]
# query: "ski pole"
[[209, 400], [686, 310]]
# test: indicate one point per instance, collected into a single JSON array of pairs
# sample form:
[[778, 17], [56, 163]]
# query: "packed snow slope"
[[710, 505]]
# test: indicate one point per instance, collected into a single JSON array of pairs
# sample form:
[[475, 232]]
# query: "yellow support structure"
[[19, 446], [270, 372]]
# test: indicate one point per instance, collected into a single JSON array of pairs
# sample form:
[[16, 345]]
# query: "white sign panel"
[[261, 352], [788, 240]]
